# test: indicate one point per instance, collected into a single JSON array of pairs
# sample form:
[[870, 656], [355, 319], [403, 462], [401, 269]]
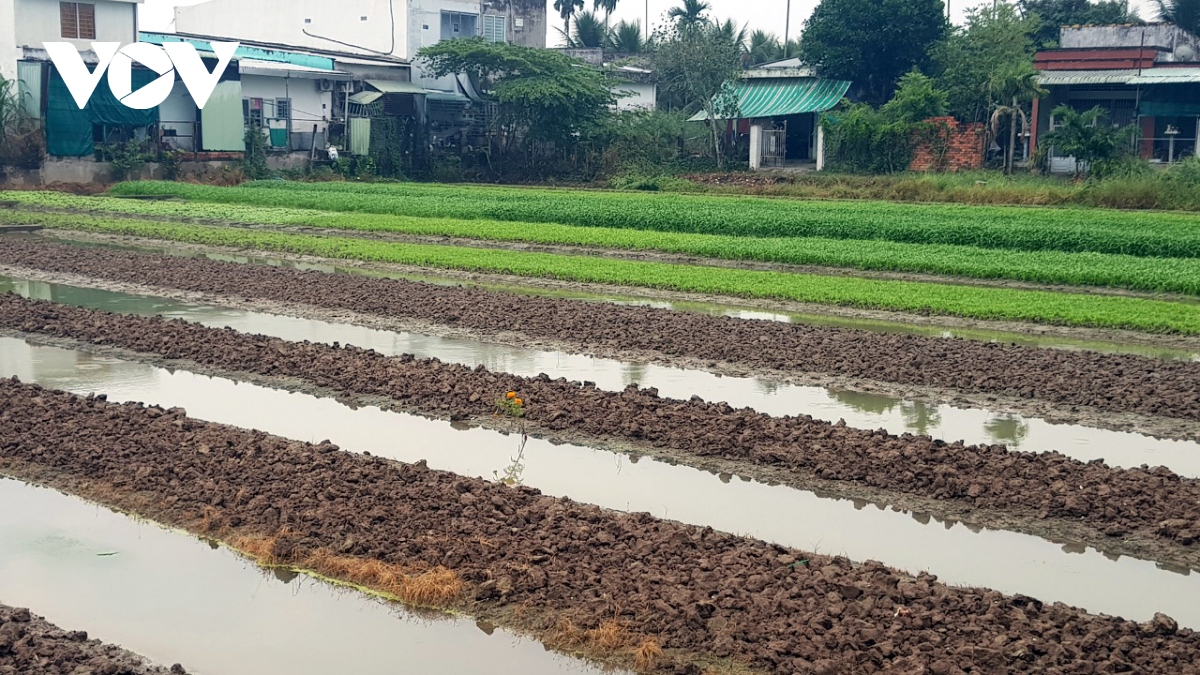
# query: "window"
[[252, 112], [283, 108], [78, 20], [495, 29], [459, 25]]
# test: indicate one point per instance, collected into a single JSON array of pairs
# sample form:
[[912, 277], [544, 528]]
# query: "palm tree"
[[589, 32], [1182, 13], [1020, 85], [690, 14], [609, 6], [626, 38], [731, 34], [764, 47], [566, 9]]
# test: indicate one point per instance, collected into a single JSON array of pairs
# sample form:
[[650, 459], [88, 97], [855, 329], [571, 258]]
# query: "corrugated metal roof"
[[365, 97], [776, 98], [1167, 76], [277, 69], [392, 87], [1065, 77]]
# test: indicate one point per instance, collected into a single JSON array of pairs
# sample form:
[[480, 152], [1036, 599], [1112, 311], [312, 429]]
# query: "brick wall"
[[964, 151]]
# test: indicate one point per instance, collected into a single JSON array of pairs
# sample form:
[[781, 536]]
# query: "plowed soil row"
[[29, 645], [1131, 503], [559, 564], [1106, 382]]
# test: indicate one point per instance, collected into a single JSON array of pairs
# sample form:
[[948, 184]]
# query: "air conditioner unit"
[[324, 85]]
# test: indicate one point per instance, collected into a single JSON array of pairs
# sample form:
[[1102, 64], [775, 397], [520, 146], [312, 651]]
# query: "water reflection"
[[859, 529], [858, 409], [173, 598]]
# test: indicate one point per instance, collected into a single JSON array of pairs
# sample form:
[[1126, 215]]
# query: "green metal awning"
[[780, 97], [392, 87]]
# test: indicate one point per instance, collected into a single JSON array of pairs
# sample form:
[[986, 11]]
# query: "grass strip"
[[1166, 235], [1169, 275], [978, 303]]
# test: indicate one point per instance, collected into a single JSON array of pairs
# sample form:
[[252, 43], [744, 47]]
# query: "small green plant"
[[512, 407], [254, 163], [171, 162], [126, 159]]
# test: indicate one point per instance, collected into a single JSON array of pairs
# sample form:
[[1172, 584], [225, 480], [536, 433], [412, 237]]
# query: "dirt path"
[[572, 573], [1116, 391], [1151, 511], [29, 645]]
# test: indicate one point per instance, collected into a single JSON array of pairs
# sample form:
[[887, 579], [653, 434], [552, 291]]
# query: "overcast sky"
[[768, 15]]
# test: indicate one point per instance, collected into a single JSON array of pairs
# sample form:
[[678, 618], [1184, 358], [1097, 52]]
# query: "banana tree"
[[1015, 85]]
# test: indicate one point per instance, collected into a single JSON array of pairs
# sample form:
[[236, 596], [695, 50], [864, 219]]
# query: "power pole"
[[787, 29], [647, 21]]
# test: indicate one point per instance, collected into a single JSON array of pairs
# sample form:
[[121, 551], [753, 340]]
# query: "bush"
[[254, 163], [864, 140]]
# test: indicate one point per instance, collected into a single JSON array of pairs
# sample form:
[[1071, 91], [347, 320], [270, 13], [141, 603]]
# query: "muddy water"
[[173, 598], [1005, 561], [715, 309], [862, 410]]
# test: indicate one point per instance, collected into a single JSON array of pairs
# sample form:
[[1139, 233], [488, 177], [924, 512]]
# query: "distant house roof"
[[784, 96], [1131, 77], [271, 51]]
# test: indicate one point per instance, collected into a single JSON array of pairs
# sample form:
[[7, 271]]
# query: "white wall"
[[38, 21], [425, 30], [283, 21], [307, 101], [8, 40], [636, 96]]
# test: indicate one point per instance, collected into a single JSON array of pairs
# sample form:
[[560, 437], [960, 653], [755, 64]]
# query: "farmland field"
[[522, 481]]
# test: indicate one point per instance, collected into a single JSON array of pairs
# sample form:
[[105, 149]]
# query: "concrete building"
[[1146, 76], [779, 110], [380, 28], [296, 96]]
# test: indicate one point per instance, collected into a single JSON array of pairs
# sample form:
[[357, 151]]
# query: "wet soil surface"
[[1104, 382], [1140, 504], [698, 591], [29, 645]]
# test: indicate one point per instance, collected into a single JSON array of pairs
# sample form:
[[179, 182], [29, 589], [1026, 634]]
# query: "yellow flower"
[[512, 395], [519, 402]]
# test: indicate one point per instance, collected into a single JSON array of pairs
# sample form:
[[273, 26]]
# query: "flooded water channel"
[[1005, 561], [173, 598], [861, 410]]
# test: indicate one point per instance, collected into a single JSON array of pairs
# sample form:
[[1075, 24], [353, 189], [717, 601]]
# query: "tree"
[[609, 6], [993, 40], [729, 32], [916, 99], [690, 15], [567, 9], [589, 32], [1182, 13], [764, 47], [872, 42], [699, 72], [1054, 14], [1016, 84], [543, 95], [22, 144], [1088, 137], [626, 38]]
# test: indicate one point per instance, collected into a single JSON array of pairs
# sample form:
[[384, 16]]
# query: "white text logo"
[[166, 60]]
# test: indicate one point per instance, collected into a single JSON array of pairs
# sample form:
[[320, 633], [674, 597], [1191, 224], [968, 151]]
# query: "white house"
[[369, 28], [26, 24]]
